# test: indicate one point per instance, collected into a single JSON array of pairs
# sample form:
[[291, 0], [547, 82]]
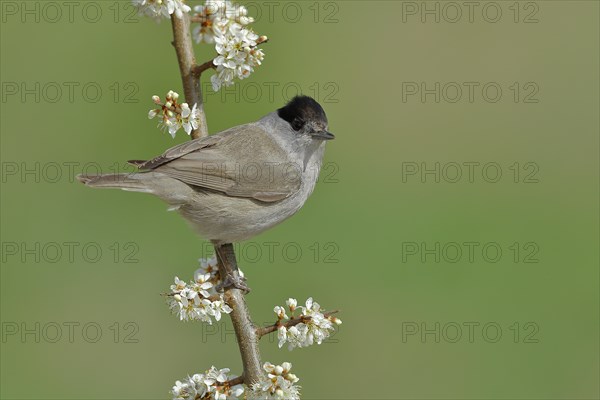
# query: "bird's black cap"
[[302, 110]]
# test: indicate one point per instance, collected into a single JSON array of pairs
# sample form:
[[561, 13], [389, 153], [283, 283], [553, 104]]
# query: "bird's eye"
[[297, 124]]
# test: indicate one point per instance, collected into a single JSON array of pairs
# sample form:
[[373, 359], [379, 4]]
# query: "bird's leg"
[[228, 269]]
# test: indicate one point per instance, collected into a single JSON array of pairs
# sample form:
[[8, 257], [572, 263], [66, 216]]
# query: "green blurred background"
[[353, 57]]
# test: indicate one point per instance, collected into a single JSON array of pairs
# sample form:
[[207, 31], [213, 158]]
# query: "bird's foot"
[[233, 281]]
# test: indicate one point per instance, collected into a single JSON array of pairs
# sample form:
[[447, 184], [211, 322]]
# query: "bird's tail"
[[135, 182]]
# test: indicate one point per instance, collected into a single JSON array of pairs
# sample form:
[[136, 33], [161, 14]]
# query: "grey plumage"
[[240, 182]]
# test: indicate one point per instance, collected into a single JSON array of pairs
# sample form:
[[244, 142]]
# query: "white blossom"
[[280, 312], [214, 17], [158, 9], [225, 24], [279, 384], [218, 307], [175, 115], [179, 284], [197, 300], [319, 327], [282, 335], [210, 266], [292, 304], [296, 336], [208, 17], [212, 384], [189, 118], [314, 327], [202, 284], [238, 55], [183, 390]]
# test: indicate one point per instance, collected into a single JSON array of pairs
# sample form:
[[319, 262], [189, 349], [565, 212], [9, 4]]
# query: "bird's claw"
[[233, 281]]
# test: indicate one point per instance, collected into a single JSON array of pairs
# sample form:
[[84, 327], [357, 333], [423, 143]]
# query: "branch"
[[245, 330], [182, 40], [292, 322]]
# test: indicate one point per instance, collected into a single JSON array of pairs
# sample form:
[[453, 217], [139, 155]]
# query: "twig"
[[182, 40], [231, 383], [292, 322], [214, 297], [199, 69], [235, 381]]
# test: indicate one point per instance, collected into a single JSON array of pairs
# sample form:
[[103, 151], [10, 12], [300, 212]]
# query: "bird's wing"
[[243, 162], [180, 150]]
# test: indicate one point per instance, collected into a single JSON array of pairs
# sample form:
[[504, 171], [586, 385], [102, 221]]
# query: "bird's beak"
[[323, 135]]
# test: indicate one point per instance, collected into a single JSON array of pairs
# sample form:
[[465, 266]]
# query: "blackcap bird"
[[235, 184]]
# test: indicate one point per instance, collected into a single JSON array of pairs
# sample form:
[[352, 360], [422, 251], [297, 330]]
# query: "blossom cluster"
[[216, 384], [222, 23], [199, 299], [213, 384], [314, 325], [225, 24], [175, 115], [279, 385], [158, 9]]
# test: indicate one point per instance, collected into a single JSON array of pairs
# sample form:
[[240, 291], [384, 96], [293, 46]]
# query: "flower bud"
[[156, 99], [168, 104], [268, 367], [292, 303], [278, 370], [286, 366], [177, 297], [280, 311]]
